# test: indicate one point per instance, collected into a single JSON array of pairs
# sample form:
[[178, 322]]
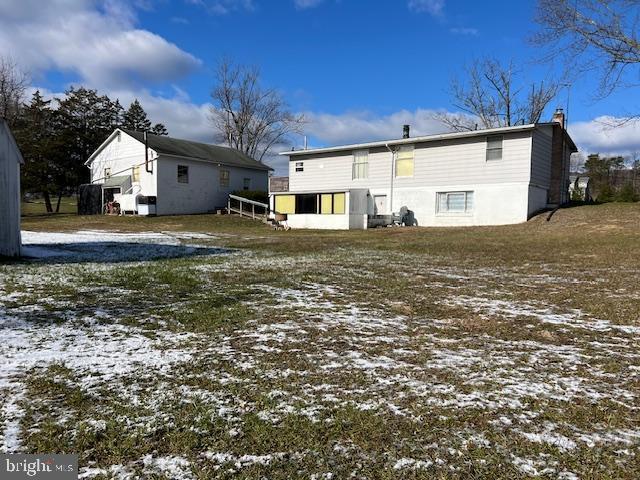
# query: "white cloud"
[[601, 135], [303, 4], [355, 127], [432, 7], [97, 40], [464, 31], [224, 7]]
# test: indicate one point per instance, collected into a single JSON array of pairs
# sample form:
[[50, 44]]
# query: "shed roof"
[[164, 145]]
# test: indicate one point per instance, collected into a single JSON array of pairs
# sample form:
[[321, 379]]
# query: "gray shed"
[[10, 161]]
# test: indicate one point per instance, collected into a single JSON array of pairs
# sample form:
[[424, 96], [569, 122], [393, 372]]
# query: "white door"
[[380, 202]]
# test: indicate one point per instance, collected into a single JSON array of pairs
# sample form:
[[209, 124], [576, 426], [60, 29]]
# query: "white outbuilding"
[[10, 161], [146, 173]]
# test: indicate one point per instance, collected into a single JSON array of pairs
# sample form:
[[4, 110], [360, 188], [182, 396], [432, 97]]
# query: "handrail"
[[246, 200]]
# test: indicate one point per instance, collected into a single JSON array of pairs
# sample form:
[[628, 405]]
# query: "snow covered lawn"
[[170, 355]]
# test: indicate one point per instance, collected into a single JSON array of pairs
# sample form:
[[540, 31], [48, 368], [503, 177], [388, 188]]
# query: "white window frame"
[[469, 203], [184, 178], [299, 167], [358, 156], [495, 149]]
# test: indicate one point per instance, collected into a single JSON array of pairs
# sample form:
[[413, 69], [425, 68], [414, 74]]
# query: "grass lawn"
[[213, 347]]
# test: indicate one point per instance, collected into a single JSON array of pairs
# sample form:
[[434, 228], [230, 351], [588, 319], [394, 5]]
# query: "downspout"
[[146, 153], [393, 171]]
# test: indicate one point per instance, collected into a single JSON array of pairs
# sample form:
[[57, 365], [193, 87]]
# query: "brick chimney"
[[558, 117]]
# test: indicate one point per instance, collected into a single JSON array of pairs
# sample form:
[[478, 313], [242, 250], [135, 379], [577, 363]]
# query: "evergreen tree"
[[135, 118], [85, 120], [39, 142], [159, 129]]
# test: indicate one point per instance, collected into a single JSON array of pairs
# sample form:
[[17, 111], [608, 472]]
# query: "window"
[[360, 164], [285, 204], [494, 147], [299, 166], [404, 161], [246, 184], [107, 172], [224, 178], [135, 174], [332, 203], [183, 174], [455, 202]]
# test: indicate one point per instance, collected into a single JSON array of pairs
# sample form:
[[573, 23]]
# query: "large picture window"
[[455, 202], [404, 161], [360, 164], [311, 203]]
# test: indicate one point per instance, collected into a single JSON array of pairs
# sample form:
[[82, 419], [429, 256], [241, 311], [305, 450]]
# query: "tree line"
[[613, 179]]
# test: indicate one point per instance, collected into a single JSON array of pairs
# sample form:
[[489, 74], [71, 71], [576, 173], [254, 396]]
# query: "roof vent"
[[405, 131]]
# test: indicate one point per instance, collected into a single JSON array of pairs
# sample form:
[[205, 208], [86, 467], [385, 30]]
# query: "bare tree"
[[593, 34], [248, 117], [490, 97], [13, 84]]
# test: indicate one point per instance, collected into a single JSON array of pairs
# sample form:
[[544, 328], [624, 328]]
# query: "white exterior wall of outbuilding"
[[120, 157], [203, 192], [10, 160]]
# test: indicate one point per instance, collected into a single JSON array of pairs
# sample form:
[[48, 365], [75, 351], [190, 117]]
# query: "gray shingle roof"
[[202, 151]]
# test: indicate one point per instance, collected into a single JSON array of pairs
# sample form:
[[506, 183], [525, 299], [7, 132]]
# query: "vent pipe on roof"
[[405, 131]]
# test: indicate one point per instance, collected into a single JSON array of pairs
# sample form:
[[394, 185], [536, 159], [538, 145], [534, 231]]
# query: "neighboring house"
[[185, 177], [580, 188], [483, 177], [10, 161]]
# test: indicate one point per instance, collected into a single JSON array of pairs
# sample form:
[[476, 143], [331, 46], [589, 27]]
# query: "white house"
[[185, 177], [10, 161], [482, 177]]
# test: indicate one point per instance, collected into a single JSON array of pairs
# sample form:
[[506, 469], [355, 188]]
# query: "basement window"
[[299, 166], [455, 202], [494, 147], [183, 174], [224, 178]]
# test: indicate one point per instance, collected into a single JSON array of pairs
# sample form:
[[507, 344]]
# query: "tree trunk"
[[47, 201], [58, 204]]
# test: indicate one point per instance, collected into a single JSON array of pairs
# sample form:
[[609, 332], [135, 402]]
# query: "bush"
[[255, 195]]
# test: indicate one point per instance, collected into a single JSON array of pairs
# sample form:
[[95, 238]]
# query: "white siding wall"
[[501, 187], [203, 193], [541, 156], [121, 155], [9, 194]]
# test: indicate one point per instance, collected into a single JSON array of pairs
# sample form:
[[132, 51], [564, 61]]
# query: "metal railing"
[[247, 208]]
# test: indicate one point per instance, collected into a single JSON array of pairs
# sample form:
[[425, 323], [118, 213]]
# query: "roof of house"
[[427, 138], [164, 145]]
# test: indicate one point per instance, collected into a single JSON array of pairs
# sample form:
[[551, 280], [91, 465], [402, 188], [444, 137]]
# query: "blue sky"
[[357, 69]]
